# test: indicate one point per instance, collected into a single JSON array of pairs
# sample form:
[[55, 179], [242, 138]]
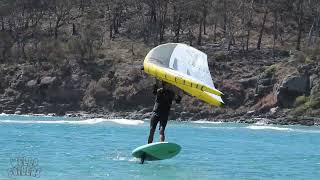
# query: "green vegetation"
[[270, 70], [314, 103], [300, 100], [315, 97], [304, 104], [220, 56], [312, 54], [298, 111]]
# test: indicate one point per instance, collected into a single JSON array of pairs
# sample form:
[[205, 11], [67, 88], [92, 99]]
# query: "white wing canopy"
[[183, 61]]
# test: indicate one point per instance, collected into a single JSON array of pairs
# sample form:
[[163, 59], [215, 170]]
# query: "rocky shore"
[[274, 87]]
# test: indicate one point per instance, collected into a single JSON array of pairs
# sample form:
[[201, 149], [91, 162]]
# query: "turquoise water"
[[101, 149]]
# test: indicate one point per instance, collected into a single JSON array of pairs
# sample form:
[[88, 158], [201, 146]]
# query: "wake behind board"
[[157, 151]]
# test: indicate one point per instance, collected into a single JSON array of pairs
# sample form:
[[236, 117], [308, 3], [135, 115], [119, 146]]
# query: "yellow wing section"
[[188, 85]]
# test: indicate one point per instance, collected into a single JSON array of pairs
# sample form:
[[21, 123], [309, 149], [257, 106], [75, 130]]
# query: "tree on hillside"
[[178, 11], [231, 14], [6, 41], [202, 7], [246, 18], [277, 9], [313, 7], [23, 23], [163, 11], [299, 11], [117, 13], [62, 13], [262, 7]]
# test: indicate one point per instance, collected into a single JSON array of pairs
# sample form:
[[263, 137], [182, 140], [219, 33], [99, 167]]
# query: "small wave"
[[127, 121], [269, 127], [28, 115], [260, 123], [41, 115], [206, 127], [308, 131], [283, 129], [206, 122], [87, 121]]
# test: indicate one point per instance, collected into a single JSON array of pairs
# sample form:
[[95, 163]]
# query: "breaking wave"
[[87, 121], [206, 122], [254, 127], [269, 127]]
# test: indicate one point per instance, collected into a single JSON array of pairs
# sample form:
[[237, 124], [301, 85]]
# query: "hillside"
[[75, 57]]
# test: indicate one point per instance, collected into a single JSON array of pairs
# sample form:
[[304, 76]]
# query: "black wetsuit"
[[162, 107]]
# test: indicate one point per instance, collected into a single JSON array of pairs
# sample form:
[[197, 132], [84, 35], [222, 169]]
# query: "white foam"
[[206, 122], [27, 115], [119, 158], [127, 121], [308, 131], [134, 159], [87, 121], [284, 129], [206, 127], [124, 158], [269, 127], [260, 123]]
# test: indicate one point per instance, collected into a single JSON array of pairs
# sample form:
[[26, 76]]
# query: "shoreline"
[[135, 115]]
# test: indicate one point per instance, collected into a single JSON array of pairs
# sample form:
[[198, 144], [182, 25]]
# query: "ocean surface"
[[41, 147]]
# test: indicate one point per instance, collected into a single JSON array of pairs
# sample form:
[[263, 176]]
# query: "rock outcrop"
[[291, 88]]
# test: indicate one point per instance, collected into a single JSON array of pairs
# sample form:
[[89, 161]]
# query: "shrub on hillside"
[[312, 54], [270, 70], [221, 57], [300, 110], [315, 97], [87, 43], [49, 50], [301, 100], [6, 42], [307, 104]]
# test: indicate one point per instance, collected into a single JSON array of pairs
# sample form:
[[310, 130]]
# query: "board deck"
[[157, 151]]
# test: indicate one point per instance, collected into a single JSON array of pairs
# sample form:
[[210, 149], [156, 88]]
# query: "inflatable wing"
[[184, 67]]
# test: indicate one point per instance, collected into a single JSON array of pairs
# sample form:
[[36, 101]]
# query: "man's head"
[[167, 86]]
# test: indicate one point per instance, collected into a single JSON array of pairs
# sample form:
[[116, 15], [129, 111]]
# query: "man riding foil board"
[[161, 110], [185, 68]]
